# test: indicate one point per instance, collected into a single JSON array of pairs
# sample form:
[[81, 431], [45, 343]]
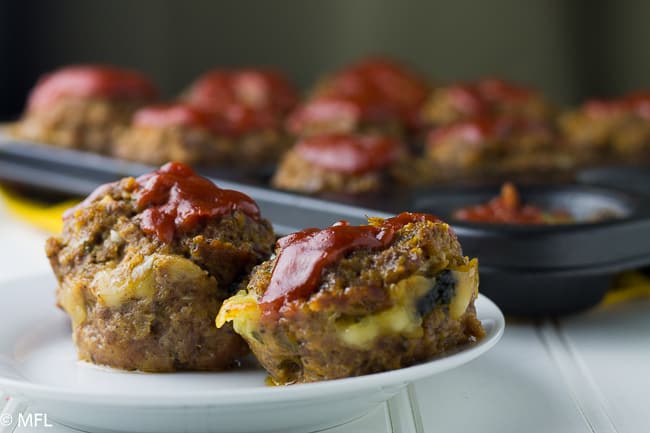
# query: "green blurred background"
[[569, 49]]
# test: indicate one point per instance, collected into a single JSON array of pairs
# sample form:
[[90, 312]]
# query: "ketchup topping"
[[258, 89], [337, 111], [302, 256], [385, 89], [160, 116], [484, 128], [90, 81], [507, 208], [349, 153], [175, 198], [634, 103]]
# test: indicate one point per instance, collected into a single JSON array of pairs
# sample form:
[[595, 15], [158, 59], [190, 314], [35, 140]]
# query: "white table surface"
[[587, 373]]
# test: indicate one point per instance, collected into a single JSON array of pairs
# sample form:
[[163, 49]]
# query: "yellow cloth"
[[626, 287], [43, 216]]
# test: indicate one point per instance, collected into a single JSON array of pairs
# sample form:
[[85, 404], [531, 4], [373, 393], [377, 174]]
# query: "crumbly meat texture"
[[196, 146], [616, 137], [439, 109], [296, 174], [529, 151], [138, 303], [77, 123], [305, 344], [156, 146]]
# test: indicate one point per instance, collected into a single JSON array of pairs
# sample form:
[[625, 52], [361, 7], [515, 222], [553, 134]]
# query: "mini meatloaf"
[[488, 96], [495, 145], [174, 132], [348, 163], [83, 107], [144, 264], [610, 130], [372, 95], [353, 300], [249, 106]]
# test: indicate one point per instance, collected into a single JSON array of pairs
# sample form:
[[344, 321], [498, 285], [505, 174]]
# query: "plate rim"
[[388, 381]]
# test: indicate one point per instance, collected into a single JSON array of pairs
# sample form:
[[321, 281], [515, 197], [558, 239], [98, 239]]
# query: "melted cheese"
[[466, 288], [401, 318], [243, 311]]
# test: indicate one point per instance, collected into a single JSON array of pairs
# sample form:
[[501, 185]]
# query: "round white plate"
[[38, 363]]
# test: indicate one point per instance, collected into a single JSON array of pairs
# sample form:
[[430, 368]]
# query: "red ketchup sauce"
[[349, 153], [90, 81], [508, 209], [161, 116], [302, 256], [385, 89], [634, 103], [175, 198], [327, 111], [260, 89]]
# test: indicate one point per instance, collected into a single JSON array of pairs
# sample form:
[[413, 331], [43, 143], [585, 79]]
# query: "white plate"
[[38, 363]]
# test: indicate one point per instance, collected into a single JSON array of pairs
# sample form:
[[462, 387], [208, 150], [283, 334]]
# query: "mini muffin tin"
[[527, 270]]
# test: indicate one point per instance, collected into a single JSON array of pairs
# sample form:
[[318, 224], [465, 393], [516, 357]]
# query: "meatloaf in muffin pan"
[[489, 96], [495, 145], [83, 107], [353, 300], [610, 130], [249, 107], [173, 132], [347, 163], [374, 94], [143, 266]]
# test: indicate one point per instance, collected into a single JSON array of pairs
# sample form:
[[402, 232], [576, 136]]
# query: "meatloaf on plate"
[[144, 264], [352, 300]]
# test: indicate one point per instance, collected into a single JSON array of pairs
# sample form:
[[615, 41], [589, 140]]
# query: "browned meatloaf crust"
[[78, 123], [345, 163], [495, 145], [139, 303], [609, 130], [489, 96], [372, 310], [83, 106]]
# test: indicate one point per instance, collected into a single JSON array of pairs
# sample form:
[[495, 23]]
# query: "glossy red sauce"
[[302, 256], [484, 128], [325, 111], [257, 89], [161, 116], [385, 89], [349, 153], [174, 198], [634, 103], [474, 130], [90, 81], [507, 208]]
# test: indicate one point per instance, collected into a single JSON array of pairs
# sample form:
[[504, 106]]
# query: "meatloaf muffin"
[[173, 132], [249, 107], [495, 145], [348, 163], [144, 264], [610, 130], [352, 300], [374, 94], [83, 107], [488, 96]]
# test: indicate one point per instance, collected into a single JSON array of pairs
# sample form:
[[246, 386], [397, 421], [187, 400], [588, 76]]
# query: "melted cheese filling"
[[243, 310]]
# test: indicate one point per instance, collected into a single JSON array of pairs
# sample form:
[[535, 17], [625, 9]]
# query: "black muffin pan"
[[527, 270]]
